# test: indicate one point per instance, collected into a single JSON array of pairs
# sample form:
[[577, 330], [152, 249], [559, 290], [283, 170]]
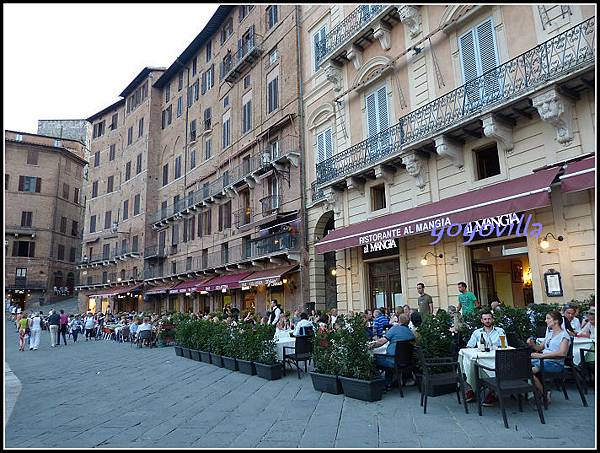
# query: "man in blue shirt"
[[381, 320], [400, 332], [491, 334]]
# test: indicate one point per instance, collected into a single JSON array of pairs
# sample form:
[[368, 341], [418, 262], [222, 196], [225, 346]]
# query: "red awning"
[[160, 289], [231, 281], [267, 277], [109, 292], [579, 175], [189, 285], [520, 194]]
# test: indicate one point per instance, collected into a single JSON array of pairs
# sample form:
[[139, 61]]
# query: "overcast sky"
[[69, 61]]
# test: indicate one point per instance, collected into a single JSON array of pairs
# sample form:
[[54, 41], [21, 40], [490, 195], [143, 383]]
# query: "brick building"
[[43, 214]]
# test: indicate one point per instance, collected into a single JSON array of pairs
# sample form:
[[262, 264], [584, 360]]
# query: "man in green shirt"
[[425, 302], [467, 302]]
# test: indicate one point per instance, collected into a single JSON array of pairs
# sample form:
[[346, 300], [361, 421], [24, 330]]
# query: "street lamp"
[[424, 260], [545, 244]]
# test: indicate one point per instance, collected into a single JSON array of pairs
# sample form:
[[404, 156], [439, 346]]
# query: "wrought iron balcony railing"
[[341, 34], [270, 204], [232, 67], [154, 251], [280, 242], [317, 193], [242, 217], [564, 54]]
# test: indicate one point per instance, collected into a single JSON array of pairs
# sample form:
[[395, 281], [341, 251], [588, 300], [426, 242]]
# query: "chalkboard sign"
[[553, 283]]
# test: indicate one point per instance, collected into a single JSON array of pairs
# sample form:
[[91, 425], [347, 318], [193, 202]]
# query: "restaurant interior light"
[[118, 279], [285, 280], [424, 260], [224, 290], [203, 292], [188, 293], [545, 244]]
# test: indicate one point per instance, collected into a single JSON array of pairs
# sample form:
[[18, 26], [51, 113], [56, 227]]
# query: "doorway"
[[385, 288]]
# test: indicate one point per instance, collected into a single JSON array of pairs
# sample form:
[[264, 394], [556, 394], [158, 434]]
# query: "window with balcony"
[[324, 145], [272, 16], [125, 209], [32, 157], [377, 120], [487, 161], [378, 200], [26, 218]]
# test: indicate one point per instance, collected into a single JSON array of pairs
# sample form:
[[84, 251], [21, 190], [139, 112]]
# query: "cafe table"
[[468, 357], [282, 340], [578, 343]]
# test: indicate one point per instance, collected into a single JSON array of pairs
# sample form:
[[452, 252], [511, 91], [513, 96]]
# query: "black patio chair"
[[587, 369], [431, 377], [302, 352], [513, 377], [569, 371], [144, 338], [515, 340], [403, 361]]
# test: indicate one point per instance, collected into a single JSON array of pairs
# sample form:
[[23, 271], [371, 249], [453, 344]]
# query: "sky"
[[69, 61]]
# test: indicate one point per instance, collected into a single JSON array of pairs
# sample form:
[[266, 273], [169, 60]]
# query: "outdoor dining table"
[[578, 343], [468, 357], [282, 341]]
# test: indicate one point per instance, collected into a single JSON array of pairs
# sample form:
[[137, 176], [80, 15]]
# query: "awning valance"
[[231, 281], [516, 195], [268, 277], [159, 289], [110, 292], [579, 175], [189, 285]]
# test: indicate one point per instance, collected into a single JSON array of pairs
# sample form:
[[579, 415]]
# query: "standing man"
[[332, 317], [54, 323], [35, 326], [275, 313], [467, 302], [425, 301]]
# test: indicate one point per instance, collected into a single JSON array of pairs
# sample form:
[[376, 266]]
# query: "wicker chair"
[[403, 361], [587, 368], [302, 353], [144, 338], [513, 376]]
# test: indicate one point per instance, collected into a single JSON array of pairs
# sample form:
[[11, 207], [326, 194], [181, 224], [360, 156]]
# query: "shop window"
[[378, 197], [487, 161]]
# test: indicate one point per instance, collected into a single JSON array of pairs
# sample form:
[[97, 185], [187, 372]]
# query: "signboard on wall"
[[387, 247]]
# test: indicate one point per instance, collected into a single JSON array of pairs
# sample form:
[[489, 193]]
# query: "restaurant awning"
[[267, 277], [231, 281], [189, 285], [159, 289], [109, 292], [516, 195], [579, 175]]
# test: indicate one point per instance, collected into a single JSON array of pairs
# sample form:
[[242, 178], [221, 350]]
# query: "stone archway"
[[323, 283]]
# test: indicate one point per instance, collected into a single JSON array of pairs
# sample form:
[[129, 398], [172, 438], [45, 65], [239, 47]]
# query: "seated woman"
[[553, 350], [280, 330], [588, 329]]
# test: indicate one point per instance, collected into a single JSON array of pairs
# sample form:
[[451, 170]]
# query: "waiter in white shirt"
[[275, 312]]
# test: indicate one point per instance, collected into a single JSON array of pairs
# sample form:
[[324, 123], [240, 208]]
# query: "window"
[[104, 277], [137, 97], [378, 197], [110, 184], [130, 135], [203, 86], [140, 127], [6, 181], [32, 157], [97, 159], [63, 224], [26, 217], [24, 248], [138, 164], [175, 234], [226, 101], [75, 228], [271, 16], [206, 222], [196, 87], [76, 195], [178, 167], [227, 30], [207, 148], [163, 209], [207, 118], [134, 244], [180, 81], [111, 152], [128, 171], [193, 131], [114, 120], [204, 258], [176, 204], [189, 96], [190, 198], [94, 189], [194, 66], [272, 95], [98, 130], [18, 137], [136, 204], [179, 106], [225, 216], [66, 190], [30, 184], [125, 209], [226, 132], [377, 118], [72, 254], [247, 81], [165, 178], [167, 116], [273, 56], [208, 51], [107, 220], [193, 159], [57, 143], [61, 252], [247, 117], [487, 161], [224, 253], [324, 145], [319, 47], [93, 224], [167, 92], [244, 10], [210, 77]]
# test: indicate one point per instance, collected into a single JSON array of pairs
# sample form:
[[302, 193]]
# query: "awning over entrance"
[[159, 289], [520, 194], [109, 292], [267, 277], [579, 175], [189, 285], [231, 281]]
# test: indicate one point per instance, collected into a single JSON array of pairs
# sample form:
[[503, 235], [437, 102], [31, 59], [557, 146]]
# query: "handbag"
[[27, 331]]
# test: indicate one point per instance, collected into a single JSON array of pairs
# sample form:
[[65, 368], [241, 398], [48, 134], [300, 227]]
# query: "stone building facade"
[[43, 183], [79, 129]]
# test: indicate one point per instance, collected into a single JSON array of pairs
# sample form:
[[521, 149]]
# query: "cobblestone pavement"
[[105, 394]]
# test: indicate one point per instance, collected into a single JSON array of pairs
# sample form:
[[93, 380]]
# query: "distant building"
[[80, 130]]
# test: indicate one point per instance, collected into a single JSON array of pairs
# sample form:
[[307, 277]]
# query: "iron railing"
[[275, 243], [155, 251], [351, 24], [270, 204], [232, 63], [317, 193], [561, 55], [242, 217]]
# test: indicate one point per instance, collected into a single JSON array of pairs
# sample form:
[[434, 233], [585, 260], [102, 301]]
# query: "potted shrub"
[[358, 374], [325, 377], [250, 347], [267, 365], [194, 352], [231, 348], [202, 333], [216, 342], [182, 336]]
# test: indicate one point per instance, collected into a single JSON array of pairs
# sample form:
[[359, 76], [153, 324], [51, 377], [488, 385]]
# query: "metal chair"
[[513, 376], [403, 361], [302, 353], [587, 368]]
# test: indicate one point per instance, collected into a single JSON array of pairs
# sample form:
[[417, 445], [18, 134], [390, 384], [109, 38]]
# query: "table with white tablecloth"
[[282, 341], [468, 357]]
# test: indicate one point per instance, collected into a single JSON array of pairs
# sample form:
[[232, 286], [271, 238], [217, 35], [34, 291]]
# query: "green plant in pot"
[[327, 362], [250, 348], [266, 364], [231, 348], [183, 331], [216, 342]]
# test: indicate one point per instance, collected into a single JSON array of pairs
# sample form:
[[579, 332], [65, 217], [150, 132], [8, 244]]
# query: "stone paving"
[[105, 394]]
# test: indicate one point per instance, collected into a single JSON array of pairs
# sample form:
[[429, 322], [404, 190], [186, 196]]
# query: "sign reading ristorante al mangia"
[[386, 247]]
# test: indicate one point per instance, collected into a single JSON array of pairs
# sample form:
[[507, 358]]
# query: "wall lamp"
[[544, 242], [424, 260], [333, 270]]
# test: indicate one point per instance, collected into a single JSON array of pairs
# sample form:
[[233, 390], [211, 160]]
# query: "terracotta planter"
[[326, 383], [205, 356], [269, 372], [246, 367], [216, 360], [195, 355], [230, 363], [363, 390]]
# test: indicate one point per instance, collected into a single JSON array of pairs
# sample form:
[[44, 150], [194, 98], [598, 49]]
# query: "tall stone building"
[[79, 130], [425, 116], [43, 215]]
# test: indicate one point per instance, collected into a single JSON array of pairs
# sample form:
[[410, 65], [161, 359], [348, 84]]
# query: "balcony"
[[270, 204], [155, 252], [317, 194], [242, 217], [24, 283], [244, 58], [107, 258], [355, 30], [504, 91], [275, 244]]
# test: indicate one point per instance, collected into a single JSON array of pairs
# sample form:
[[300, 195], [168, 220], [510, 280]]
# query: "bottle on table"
[[481, 343]]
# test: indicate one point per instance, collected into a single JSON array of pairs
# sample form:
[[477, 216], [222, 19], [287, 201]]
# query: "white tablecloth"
[[284, 341], [467, 357], [578, 343]]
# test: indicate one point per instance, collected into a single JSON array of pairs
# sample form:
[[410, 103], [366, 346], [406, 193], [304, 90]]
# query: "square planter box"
[[363, 390], [326, 383], [178, 351], [246, 367], [230, 363], [216, 360], [205, 356], [269, 372], [195, 354], [187, 353]]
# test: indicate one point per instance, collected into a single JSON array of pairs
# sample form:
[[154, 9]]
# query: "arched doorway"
[[58, 279], [71, 282]]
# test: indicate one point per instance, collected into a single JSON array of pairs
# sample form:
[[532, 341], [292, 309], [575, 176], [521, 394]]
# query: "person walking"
[[54, 325], [425, 302], [467, 301], [88, 325], [75, 326], [64, 322], [23, 324], [35, 327]]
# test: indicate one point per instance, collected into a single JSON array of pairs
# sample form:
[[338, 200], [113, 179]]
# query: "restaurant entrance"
[[385, 287], [501, 270]]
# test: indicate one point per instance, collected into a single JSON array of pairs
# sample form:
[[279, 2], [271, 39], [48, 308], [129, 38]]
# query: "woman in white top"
[[281, 331], [35, 327], [88, 325], [589, 327]]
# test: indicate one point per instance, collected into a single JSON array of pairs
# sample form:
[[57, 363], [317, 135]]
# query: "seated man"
[[304, 322], [144, 326], [399, 332]]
